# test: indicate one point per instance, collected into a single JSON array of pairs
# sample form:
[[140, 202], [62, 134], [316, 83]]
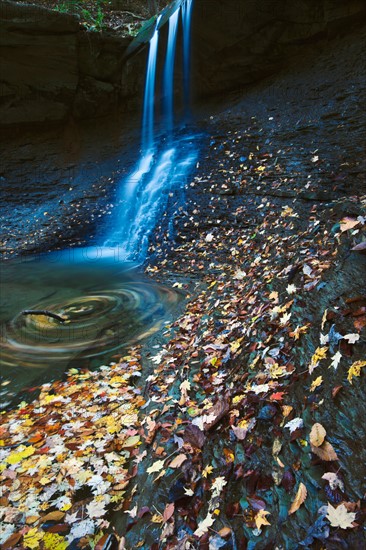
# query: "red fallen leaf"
[[44, 450], [12, 541], [278, 396], [169, 511], [335, 390]]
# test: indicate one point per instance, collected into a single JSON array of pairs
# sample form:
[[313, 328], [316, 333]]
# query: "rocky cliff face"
[[51, 68], [237, 42]]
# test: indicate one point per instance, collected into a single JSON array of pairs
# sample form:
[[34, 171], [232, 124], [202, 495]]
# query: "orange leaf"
[[300, 497]]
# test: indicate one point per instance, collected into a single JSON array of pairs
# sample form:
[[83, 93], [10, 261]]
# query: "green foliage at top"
[[93, 19]]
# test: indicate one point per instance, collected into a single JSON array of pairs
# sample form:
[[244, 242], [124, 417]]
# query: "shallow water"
[[107, 305]]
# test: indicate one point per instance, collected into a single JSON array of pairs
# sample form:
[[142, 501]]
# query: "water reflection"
[[105, 302]]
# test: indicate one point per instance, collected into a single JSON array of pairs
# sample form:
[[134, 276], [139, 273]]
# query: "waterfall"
[[169, 71], [187, 20], [149, 98], [144, 195]]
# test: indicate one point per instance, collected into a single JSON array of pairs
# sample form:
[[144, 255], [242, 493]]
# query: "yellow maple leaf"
[[18, 456], [299, 331], [207, 471], [260, 519], [53, 541], [320, 353], [32, 538], [316, 383], [277, 371], [355, 370]]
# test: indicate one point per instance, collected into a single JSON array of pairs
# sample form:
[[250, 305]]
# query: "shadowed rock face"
[[52, 69], [237, 42]]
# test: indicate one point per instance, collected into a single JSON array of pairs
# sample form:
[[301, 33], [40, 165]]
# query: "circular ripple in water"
[[99, 323]]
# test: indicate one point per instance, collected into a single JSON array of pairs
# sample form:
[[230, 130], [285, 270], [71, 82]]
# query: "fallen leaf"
[[217, 486], [156, 467], [325, 451], [12, 541], [169, 511], [194, 436], [203, 526], [317, 435], [355, 370], [178, 461], [340, 517], [336, 360], [295, 424], [334, 481], [361, 247], [316, 383], [52, 516], [352, 338], [207, 471], [299, 499], [348, 223], [335, 390], [260, 519]]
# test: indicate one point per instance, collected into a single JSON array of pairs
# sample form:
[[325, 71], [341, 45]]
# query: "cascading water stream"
[[149, 98], [144, 194], [169, 71], [187, 21]]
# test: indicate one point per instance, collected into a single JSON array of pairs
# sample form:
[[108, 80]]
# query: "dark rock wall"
[[51, 69], [237, 42]]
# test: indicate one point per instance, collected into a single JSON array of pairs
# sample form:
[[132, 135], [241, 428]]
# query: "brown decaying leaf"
[[12, 541], [219, 410], [52, 516], [325, 452], [299, 499], [194, 436], [317, 435]]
